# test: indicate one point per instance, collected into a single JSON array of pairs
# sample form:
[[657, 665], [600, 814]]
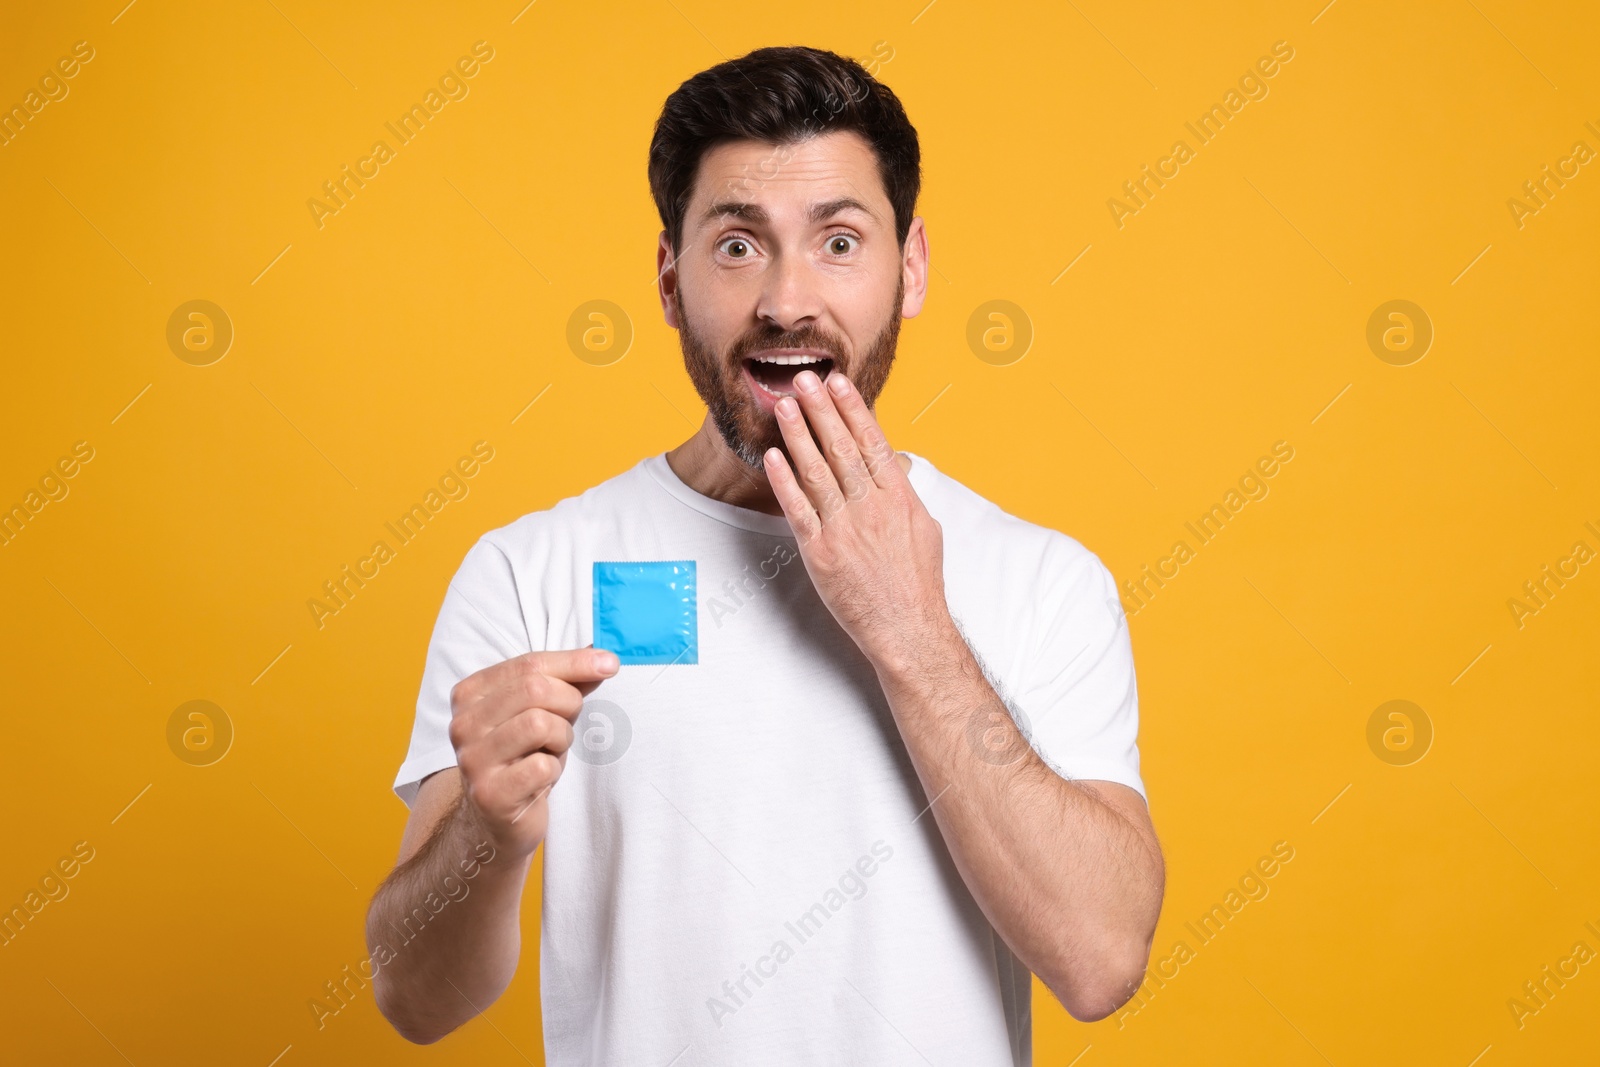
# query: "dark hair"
[[781, 96]]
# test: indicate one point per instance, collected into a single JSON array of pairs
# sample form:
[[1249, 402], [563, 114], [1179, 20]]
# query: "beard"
[[719, 379]]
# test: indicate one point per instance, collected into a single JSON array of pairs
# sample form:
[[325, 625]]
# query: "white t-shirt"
[[740, 867]]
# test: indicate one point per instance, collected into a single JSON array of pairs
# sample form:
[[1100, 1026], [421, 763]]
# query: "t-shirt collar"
[[745, 518]]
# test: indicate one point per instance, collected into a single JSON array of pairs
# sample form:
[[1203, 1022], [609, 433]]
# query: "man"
[[820, 813]]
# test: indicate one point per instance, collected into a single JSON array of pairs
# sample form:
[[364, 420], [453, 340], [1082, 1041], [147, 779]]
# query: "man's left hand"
[[874, 553]]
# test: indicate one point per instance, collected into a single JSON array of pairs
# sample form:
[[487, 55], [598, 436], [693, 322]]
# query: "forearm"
[[1065, 878], [444, 930]]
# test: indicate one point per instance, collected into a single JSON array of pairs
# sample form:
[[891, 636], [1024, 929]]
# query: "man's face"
[[789, 260]]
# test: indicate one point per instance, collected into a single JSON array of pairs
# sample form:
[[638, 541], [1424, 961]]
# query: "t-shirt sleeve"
[[1080, 698], [480, 623]]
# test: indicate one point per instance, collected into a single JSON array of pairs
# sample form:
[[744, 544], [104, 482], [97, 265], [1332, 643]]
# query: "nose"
[[790, 297]]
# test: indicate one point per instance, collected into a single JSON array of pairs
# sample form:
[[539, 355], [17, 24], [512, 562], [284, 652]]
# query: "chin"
[[746, 438]]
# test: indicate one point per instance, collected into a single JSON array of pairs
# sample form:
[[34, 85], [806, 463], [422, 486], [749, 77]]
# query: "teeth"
[[788, 361]]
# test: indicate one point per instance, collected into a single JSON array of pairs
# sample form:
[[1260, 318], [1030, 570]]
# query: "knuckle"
[[562, 697], [478, 795], [817, 470], [562, 734], [536, 728], [565, 704], [532, 682], [468, 761], [545, 766]]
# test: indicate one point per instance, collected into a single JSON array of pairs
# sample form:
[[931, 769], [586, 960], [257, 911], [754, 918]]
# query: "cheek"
[[718, 316], [873, 310], [859, 307], [698, 332]]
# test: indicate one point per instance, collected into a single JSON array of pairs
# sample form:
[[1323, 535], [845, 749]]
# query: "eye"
[[842, 244], [735, 247]]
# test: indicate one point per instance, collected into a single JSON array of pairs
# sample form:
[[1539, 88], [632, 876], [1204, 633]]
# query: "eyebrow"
[[756, 214]]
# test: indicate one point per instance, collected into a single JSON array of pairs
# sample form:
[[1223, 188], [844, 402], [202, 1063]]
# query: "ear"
[[914, 264], [667, 279]]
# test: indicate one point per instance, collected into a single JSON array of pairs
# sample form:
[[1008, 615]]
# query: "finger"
[[528, 672], [512, 693], [796, 507], [876, 452], [526, 782], [586, 664], [530, 731], [588, 687], [534, 680], [810, 469], [838, 443]]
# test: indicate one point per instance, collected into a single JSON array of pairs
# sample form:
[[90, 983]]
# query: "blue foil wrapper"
[[647, 612]]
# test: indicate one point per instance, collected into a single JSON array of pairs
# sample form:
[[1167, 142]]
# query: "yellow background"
[[1225, 316]]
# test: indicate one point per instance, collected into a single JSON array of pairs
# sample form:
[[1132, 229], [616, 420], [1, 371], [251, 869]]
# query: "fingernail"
[[807, 381], [839, 384], [606, 662], [788, 407]]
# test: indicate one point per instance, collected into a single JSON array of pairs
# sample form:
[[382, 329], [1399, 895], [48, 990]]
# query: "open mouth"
[[774, 371]]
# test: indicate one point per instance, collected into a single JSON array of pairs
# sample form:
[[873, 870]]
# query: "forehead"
[[786, 178]]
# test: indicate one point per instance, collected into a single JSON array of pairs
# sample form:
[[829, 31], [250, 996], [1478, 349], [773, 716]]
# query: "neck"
[[707, 465]]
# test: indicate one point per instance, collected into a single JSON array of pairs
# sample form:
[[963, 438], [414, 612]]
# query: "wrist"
[[919, 651], [507, 857]]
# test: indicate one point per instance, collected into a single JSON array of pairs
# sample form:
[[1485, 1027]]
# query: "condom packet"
[[647, 612]]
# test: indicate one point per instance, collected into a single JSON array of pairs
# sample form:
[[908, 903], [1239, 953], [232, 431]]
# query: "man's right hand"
[[511, 726]]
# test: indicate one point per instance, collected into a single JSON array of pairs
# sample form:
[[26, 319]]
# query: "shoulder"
[[983, 530], [572, 518]]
